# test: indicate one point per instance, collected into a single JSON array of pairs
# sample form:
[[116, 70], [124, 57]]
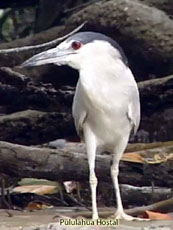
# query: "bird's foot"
[[122, 215]]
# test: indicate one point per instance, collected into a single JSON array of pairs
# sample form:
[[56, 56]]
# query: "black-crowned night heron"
[[106, 106]]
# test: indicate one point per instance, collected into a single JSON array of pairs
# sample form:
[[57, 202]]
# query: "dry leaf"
[[36, 206], [159, 158], [132, 157], [35, 181], [156, 215], [37, 189]]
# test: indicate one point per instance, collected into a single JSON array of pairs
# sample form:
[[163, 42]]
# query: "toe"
[[124, 216]]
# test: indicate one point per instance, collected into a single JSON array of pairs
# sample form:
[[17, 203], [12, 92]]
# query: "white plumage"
[[106, 107]]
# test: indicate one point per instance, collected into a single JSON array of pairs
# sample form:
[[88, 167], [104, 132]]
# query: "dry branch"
[[12, 56], [22, 161], [39, 48]]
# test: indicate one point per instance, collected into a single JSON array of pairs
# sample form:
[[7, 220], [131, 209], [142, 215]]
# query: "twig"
[[44, 45], [78, 191], [9, 199], [79, 7], [4, 201]]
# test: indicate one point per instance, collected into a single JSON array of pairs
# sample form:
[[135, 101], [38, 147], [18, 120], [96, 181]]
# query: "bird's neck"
[[101, 77], [95, 73]]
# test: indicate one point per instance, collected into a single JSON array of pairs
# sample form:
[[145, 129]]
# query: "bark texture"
[[60, 165], [33, 127], [157, 110], [165, 5]]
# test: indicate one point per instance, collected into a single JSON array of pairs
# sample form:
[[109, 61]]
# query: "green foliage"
[[16, 23]]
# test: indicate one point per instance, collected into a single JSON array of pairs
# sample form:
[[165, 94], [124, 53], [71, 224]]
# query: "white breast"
[[104, 97]]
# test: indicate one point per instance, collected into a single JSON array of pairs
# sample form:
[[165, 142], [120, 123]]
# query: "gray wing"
[[133, 113], [79, 111]]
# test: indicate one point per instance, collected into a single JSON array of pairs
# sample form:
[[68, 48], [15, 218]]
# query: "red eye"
[[76, 45]]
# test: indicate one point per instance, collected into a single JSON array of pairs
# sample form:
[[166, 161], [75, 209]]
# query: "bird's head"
[[78, 50]]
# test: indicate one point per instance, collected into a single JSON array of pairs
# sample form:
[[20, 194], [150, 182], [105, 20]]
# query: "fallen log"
[[22, 161], [30, 94], [33, 127], [144, 195], [80, 147], [156, 106], [156, 97]]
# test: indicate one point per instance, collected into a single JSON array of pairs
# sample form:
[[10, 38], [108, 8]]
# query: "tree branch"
[[44, 45]]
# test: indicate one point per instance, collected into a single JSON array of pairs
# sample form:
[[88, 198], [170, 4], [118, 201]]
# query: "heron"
[[106, 107]]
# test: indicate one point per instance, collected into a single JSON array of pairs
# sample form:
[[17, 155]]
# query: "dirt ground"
[[47, 220]]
